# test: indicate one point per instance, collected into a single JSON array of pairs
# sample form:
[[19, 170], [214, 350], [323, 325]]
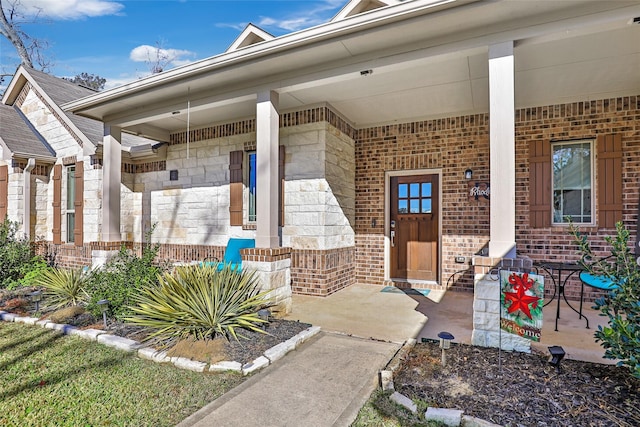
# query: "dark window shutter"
[[4, 191], [609, 180], [235, 187], [540, 184], [281, 158], [78, 234], [57, 205]]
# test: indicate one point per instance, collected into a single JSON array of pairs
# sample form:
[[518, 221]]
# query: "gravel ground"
[[521, 390]]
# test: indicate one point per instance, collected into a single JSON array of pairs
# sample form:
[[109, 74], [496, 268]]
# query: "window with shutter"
[[236, 206], [572, 181], [609, 180], [539, 184], [78, 204], [235, 187]]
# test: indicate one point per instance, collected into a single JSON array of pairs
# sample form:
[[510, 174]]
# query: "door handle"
[[393, 236]]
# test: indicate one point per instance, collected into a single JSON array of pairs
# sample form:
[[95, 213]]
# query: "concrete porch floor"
[[367, 312]]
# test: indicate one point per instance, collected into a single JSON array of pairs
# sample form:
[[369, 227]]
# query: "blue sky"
[[111, 38]]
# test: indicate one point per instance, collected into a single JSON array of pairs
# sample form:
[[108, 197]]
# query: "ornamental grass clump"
[[63, 287], [199, 303]]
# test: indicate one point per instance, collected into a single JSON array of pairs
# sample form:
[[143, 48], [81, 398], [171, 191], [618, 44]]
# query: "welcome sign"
[[521, 301]]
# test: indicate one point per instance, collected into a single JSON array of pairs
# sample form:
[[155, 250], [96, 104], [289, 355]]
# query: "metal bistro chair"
[[232, 256], [596, 281]]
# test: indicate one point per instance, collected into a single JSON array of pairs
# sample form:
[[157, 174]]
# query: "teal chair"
[[232, 256], [597, 281]]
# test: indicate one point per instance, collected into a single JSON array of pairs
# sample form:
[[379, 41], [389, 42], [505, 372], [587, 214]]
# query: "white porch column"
[[111, 179], [267, 140], [502, 148], [26, 193]]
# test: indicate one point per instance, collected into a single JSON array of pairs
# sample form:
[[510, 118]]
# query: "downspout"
[[26, 193]]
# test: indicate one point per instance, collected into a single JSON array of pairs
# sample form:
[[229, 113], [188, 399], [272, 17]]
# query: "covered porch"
[[367, 312]]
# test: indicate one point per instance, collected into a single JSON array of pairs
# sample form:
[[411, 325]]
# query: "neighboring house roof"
[[19, 139], [250, 36]]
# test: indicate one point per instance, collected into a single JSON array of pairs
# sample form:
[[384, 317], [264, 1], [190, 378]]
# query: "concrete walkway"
[[323, 383]]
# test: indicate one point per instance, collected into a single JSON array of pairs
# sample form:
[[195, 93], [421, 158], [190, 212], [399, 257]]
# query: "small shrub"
[[15, 254], [63, 287], [199, 302], [621, 339], [122, 278], [32, 271]]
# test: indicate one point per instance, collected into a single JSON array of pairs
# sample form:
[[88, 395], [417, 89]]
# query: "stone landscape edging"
[[446, 416], [159, 356]]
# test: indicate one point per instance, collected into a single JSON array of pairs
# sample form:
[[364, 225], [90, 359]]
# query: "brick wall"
[[451, 145], [579, 120], [65, 255], [322, 272], [455, 144]]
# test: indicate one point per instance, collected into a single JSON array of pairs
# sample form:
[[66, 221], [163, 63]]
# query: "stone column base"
[[102, 252], [273, 268]]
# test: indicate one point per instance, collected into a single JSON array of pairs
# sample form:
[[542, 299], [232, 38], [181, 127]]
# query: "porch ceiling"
[[423, 66]]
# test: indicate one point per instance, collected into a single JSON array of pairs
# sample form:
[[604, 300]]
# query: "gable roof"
[[56, 91], [19, 139], [355, 7], [250, 36]]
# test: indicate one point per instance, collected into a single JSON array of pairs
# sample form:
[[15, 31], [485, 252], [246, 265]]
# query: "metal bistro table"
[[558, 268]]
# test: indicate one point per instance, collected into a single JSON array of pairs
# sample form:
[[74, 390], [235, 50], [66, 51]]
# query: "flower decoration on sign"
[[519, 298]]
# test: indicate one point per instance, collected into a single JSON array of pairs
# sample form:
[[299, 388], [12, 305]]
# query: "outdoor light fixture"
[[104, 306], [445, 343], [36, 297], [264, 314], [557, 354], [468, 174]]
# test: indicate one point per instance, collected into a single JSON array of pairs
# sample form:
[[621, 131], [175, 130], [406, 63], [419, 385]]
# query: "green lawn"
[[47, 379]]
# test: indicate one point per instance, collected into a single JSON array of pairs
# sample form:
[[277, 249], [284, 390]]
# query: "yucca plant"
[[63, 287], [199, 302]]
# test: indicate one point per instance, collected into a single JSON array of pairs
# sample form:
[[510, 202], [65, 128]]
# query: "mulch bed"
[[246, 349], [522, 390]]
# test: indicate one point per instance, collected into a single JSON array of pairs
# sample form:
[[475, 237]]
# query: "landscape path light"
[[557, 354], [104, 306], [36, 297], [445, 343]]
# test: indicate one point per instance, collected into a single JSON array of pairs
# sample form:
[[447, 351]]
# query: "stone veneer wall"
[[41, 115], [192, 213]]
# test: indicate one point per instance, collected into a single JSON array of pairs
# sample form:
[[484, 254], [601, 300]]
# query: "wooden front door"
[[413, 227]]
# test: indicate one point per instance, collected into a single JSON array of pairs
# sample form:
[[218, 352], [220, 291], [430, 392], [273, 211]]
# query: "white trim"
[[593, 148], [387, 217]]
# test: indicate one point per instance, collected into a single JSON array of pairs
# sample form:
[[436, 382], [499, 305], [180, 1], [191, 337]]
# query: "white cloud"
[[317, 13], [154, 54], [70, 9]]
